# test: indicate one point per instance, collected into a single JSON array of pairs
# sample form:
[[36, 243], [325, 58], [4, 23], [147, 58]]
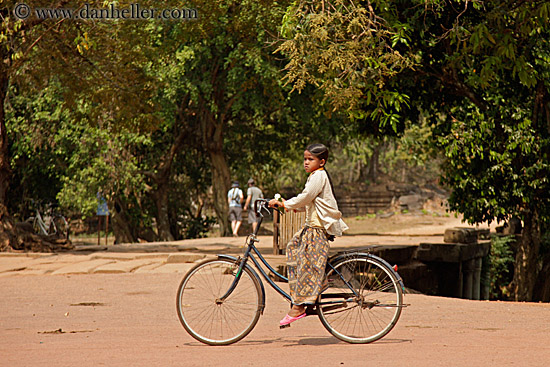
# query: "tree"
[[348, 50], [482, 71], [482, 67], [497, 140], [81, 57], [351, 52], [222, 77], [17, 40], [146, 101], [32, 119]]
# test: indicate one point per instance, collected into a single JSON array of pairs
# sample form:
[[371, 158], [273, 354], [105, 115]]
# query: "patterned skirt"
[[307, 254]]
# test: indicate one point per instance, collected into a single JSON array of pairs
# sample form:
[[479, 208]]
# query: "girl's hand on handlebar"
[[274, 203]]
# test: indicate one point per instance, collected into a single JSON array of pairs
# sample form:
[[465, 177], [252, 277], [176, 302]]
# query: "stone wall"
[[361, 200]]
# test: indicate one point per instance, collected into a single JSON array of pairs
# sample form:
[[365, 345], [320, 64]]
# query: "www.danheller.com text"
[[111, 12]]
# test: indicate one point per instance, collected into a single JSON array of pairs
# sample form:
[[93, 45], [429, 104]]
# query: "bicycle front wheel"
[[206, 318], [363, 300]]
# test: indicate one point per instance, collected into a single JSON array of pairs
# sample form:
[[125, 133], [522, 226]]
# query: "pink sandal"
[[287, 320]]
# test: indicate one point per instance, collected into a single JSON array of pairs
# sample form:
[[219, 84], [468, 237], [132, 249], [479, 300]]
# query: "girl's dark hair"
[[321, 151], [318, 150]]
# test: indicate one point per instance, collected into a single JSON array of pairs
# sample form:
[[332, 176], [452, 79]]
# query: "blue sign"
[[102, 208]]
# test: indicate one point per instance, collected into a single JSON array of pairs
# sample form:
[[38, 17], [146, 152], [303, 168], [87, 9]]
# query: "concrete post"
[[477, 279], [460, 282], [485, 278], [468, 271]]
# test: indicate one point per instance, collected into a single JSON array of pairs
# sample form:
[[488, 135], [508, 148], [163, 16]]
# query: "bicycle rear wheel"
[[213, 322], [371, 310]]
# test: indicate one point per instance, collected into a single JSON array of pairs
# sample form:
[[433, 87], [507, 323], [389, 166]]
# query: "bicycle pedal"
[[284, 326], [311, 310]]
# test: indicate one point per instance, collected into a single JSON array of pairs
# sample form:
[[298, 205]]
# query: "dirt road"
[[130, 320]]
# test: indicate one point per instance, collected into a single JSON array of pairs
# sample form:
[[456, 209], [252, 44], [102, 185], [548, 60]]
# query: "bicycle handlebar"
[[262, 204]]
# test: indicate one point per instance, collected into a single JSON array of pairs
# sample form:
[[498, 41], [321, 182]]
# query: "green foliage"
[[100, 106], [102, 162], [349, 51], [496, 178], [412, 157], [497, 136], [478, 70], [481, 78], [198, 227], [502, 259], [37, 157], [145, 103], [224, 83]]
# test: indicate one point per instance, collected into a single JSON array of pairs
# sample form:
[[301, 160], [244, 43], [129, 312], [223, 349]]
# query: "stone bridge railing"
[[457, 267]]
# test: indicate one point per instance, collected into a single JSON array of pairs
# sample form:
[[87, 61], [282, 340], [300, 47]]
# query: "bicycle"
[[219, 301], [50, 225]]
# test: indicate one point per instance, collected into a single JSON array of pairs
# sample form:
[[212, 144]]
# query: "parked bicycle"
[[219, 301], [50, 224]]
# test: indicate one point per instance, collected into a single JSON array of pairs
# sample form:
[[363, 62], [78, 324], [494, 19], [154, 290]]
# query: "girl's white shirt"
[[318, 195]]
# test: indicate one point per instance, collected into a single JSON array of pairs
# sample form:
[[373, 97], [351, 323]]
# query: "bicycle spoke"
[[361, 319], [213, 322], [382, 288]]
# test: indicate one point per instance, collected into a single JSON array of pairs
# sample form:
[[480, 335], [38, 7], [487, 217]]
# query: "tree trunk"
[[374, 163], [541, 292], [5, 170], [9, 238], [525, 268], [160, 196], [121, 227], [221, 178], [212, 137], [161, 181]]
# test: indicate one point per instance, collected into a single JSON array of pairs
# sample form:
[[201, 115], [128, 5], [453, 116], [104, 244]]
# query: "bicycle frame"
[[249, 253], [41, 223]]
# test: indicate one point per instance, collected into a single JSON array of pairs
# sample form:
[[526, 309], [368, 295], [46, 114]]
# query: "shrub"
[[502, 265]]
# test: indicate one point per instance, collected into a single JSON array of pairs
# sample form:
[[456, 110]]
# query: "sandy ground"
[[130, 320]]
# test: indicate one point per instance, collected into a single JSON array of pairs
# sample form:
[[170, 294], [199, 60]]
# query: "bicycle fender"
[[339, 257], [233, 258], [399, 279]]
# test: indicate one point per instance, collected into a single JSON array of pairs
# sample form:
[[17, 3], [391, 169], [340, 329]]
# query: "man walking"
[[253, 193], [235, 199]]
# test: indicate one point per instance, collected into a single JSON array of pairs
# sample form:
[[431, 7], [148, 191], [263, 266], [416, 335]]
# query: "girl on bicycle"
[[307, 252]]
